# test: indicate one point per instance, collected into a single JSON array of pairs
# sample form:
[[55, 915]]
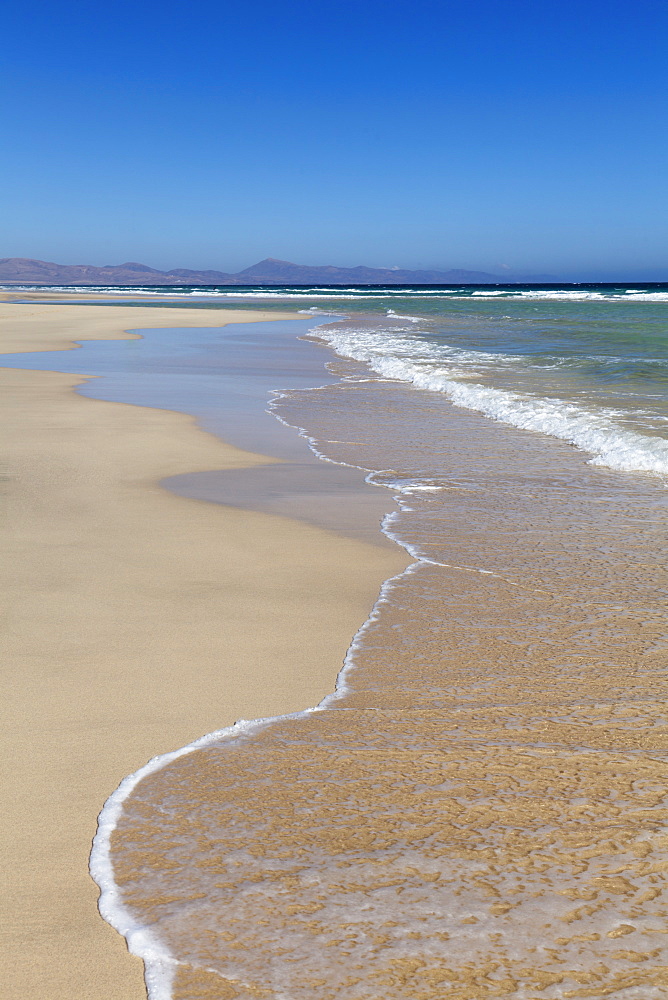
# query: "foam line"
[[402, 356], [160, 965]]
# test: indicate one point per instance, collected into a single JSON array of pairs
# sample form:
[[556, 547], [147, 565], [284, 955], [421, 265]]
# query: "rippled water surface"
[[479, 811]]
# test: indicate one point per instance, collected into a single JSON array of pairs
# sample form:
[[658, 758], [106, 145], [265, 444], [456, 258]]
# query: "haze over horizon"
[[443, 274], [515, 138], [270, 271]]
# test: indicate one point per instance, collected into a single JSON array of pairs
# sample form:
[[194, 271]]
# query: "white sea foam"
[[635, 296], [548, 295], [396, 358], [438, 368], [354, 293], [395, 315], [159, 964], [571, 295]]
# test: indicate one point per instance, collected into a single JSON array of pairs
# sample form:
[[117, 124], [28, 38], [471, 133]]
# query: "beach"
[[477, 811], [473, 807], [138, 621], [334, 517]]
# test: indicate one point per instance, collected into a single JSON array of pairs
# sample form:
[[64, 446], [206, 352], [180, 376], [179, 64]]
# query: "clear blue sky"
[[482, 133]]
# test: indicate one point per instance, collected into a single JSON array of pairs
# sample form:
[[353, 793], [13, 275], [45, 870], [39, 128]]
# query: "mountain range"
[[23, 270]]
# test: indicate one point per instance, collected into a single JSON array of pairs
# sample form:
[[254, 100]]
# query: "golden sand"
[[136, 622], [482, 814]]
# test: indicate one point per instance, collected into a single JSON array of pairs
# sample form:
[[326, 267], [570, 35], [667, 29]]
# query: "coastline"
[[118, 599], [489, 774]]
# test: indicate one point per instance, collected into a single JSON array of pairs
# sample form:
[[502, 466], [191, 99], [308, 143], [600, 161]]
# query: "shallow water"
[[224, 377], [479, 811]]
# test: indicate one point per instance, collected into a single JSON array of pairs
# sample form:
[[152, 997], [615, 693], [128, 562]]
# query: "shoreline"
[[115, 595], [434, 831]]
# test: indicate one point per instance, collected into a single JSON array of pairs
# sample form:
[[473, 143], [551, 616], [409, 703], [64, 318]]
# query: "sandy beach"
[[138, 620]]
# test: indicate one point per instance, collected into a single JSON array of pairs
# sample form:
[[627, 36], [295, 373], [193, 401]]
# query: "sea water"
[[479, 809]]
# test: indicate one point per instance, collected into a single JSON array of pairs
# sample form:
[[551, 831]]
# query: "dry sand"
[[136, 621]]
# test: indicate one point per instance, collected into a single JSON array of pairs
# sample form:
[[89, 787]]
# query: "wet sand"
[[481, 812], [138, 620]]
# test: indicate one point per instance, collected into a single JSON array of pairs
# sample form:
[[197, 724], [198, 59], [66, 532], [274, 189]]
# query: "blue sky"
[[527, 135]]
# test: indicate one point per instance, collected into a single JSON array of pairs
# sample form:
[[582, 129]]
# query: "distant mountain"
[[282, 272], [23, 270]]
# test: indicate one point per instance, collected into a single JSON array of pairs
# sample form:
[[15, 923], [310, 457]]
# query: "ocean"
[[478, 809]]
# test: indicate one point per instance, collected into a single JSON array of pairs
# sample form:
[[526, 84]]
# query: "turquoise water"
[[587, 368], [584, 363], [478, 810]]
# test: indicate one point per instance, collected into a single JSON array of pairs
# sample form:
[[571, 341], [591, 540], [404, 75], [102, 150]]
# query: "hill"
[[24, 270]]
